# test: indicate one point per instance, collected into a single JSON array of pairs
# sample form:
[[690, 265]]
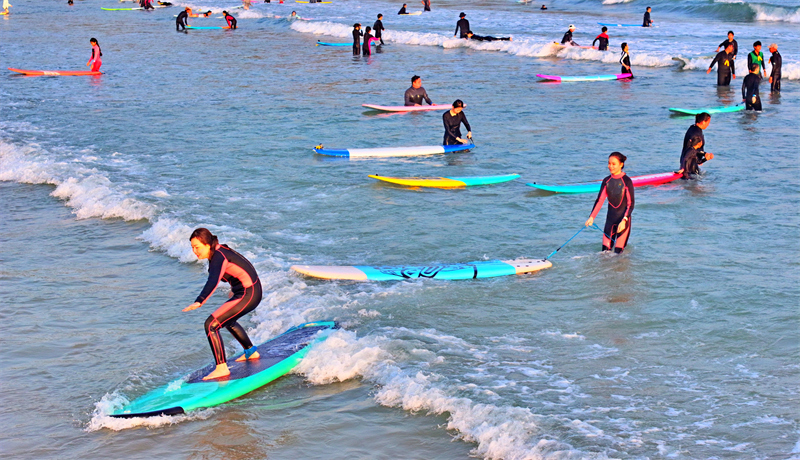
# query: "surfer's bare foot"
[[220, 371], [244, 358]]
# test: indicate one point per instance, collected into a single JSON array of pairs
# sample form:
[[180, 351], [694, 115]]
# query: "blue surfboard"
[[465, 271]]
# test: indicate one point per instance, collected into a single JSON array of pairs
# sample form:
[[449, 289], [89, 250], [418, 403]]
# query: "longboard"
[[620, 25], [585, 78], [594, 187], [470, 270], [410, 108], [319, 43], [723, 109], [415, 13], [55, 73], [394, 151], [278, 357], [446, 182]]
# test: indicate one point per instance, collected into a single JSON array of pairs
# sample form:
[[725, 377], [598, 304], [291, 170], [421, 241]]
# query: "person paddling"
[[618, 189], [225, 264], [97, 56], [403, 9], [487, 38], [453, 119]]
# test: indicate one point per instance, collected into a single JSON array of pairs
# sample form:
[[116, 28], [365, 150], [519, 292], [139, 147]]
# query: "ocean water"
[[686, 346]]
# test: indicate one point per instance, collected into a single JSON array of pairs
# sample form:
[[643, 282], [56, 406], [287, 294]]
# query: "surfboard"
[[55, 73], [585, 78], [394, 151], [723, 109], [446, 182], [470, 270], [415, 13], [594, 187], [619, 25], [207, 27], [121, 9], [278, 357], [411, 108], [319, 43], [572, 46], [299, 1]]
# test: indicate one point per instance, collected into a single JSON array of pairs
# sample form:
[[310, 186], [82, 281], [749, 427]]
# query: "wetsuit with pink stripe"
[[97, 58], [619, 192], [230, 266]]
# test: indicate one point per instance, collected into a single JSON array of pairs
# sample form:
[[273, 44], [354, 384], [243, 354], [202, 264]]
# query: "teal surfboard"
[[723, 109], [594, 187], [278, 357], [465, 271]]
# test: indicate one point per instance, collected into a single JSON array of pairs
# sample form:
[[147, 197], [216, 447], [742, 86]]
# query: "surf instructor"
[[416, 93], [452, 124], [225, 264]]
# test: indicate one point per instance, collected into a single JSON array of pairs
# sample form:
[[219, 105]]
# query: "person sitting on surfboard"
[[403, 9], [225, 264], [692, 157], [452, 124], [567, 39], [625, 60], [231, 20], [416, 93], [97, 56], [357, 34], [618, 188], [602, 39], [486, 38]]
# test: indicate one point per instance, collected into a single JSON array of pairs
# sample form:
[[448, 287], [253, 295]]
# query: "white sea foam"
[[613, 2], [776, 14], [791, 71], [111, 402]]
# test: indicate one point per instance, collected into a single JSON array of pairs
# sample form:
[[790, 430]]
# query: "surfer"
[[368, 38], [416, 93], [182, 20], [230, 19], [97, 56], [544, 7], [357, 34], [701, 122], [692, 157], [730, 40], [756, 57], [426, 4], [618, 188], [378, 28], [567, 39], [462, 24], [487, 38], [192, 15], [602, 40], [403, 9], [646, 21], [452, 124], [225, 264], [750, 97], [726, 68], [775, 76], [625, 60], [146, 4], [69, 2]]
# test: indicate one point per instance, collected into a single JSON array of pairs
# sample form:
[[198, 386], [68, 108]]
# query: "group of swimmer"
[[756, 65]]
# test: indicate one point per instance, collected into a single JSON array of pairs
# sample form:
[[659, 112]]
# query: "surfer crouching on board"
[[97, 56], [618, 188], [225, 264], [416, 93], [452, 124], [230, 19]]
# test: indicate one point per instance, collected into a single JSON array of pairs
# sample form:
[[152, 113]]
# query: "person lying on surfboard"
[[452, 124], [486, 38], [193, 15], [618, 189], [225, 264], [416, 93]]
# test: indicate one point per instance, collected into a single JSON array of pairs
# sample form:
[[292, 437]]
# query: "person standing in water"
[[453, 119], [368, 38], [625, 60], [727, 42], [726, 68], [750, 97], [756, 57], [701, 122], [602, 39], [416, 93], [618, 189], [567, 38], [692, 157], [646, 21], [357, 34], [462, 24], [378, 28], [775, 76], [182, 20], [229, 19], [225, 264], [426, 4], [97, 56]]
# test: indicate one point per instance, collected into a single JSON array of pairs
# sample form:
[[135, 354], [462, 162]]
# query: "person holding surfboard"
[[602, 39], [225, 264], [97, 56], [182, 20], [453, 119], [646, 21], [618, 189], [416, 93], [726, 68], [625, 60]]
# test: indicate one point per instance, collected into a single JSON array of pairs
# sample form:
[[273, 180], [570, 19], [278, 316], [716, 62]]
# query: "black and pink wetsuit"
[[230, 266], [619, 191], [231, 21]]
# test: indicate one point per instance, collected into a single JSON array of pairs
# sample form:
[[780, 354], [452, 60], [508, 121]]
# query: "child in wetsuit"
[[625, 60], [231, 20], [692, 157]]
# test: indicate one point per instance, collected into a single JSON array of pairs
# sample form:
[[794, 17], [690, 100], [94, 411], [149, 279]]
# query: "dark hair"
[[462, 15], [368, 29], [205, 236], [702, 117], [415, 78], [358, 24], [623, 45], [730, 32], [604, 29], [757, 43], [225, 12], [94, 40], [754, 67], [622, 158], [695, 140], [458, 103], [380, 16]]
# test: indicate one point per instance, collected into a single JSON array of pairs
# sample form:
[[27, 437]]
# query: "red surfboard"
[[55, 73]]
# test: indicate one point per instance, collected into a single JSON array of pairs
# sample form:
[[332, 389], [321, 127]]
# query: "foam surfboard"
[[619, 25], [572, 46], [470, 270], [410, 108], [394, 151], [723, 109], [446, 182], [585, 78], [55, 73], [299, 1], [415, 13], [594, 187], [319, 43], [130, 9], [207, 27], [278, 357]]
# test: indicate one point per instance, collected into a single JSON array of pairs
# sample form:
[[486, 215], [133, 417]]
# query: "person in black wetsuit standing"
[[426, 4], [567, 38], [646, 21], [462, 24], [378, 28], [775, 76], [416, 93], [701, 122], [602, 39], [730, 40], [750, 97], [182, 20], [726, 68], [357, 34], [625, 60], [452, 124]]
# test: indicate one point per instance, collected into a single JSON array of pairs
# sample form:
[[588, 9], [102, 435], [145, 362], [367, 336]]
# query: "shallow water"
[[686, 346]]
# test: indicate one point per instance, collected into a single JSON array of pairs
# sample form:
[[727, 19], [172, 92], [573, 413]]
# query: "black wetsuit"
[[415, 96], [625, 60], [646, 22], [753, 58], [146, 4], [452, 127], [691, 159], [693, 131], [777, 63], [426, 5], [180, 21], [725, 68], [486, 38], [603, 42], [367, 39], [619, 192], [462, 24], [402, 11], [378, 27], [231, 21], [752, 101], [357, 34], [567, 39], [727, 42]]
